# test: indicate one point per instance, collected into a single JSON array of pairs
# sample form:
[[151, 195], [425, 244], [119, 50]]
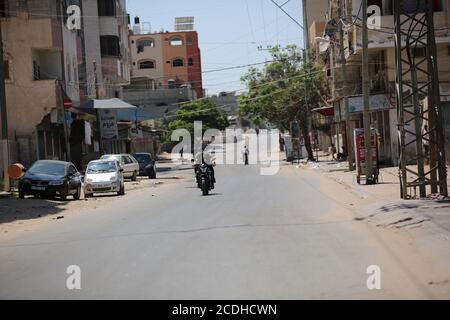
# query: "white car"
[[129, 164], [103, 176]]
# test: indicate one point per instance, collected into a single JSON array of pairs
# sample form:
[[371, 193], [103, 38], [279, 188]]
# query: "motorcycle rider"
[[206, 158]]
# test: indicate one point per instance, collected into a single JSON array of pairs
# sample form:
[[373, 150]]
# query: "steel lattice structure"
[[417, 79]]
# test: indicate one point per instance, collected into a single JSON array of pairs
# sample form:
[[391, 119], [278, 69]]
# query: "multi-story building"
[[347, 86], [166, 60], [42, 62], [105, 26]]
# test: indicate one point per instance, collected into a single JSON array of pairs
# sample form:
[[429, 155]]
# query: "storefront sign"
[[377, 102], [108, 124]]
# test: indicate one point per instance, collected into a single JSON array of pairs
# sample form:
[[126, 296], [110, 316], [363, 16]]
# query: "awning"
[[113, 103], [325, 111]]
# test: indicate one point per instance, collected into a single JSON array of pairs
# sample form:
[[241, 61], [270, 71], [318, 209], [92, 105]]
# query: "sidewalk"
[[427, 221]]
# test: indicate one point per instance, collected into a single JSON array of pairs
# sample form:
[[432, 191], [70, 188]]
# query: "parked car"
[[128, 163], [47, 178], [103, 176], [147, 166]]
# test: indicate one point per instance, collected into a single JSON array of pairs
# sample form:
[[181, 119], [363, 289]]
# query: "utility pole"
[[62, 110], [305, 30], [348, 134], [366, 93], [307, 70], [4, 117], [97, 113]]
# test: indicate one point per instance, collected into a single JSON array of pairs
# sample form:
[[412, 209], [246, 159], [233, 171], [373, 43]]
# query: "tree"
[[285, 90], [204, 110]]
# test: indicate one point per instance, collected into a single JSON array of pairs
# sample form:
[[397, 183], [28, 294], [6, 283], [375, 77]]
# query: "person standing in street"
[[245, 154]]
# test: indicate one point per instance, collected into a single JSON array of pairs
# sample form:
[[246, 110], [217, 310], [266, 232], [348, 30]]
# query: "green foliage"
[[203, 110], [283, 91]]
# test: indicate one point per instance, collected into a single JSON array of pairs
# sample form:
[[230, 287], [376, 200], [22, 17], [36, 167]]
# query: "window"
[[110, 46], [176, 63], [190, 62], [172, 84], [72, 170], [189, 41], [106, 8], [6, 69], [176, 42], [128, 160], [420, 52], [4, 8], [145, 43], [36, 71], [148, 64]]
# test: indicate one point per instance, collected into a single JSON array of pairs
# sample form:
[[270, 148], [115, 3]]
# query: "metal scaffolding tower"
[[417, 81]]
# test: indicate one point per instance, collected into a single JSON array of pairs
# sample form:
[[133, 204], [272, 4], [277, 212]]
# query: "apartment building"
[[166, 60], [105, 26], [42, 62], [346, 86]]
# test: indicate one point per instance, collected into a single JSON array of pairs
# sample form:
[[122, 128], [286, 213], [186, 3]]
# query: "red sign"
[[67, 103]]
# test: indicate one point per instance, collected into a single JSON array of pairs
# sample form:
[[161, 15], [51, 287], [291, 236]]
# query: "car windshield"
[[143, 158], [101, 167], [52, 169]]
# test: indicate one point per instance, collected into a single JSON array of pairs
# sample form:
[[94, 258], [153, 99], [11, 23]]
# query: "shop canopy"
[[112, 104], [325, 111]]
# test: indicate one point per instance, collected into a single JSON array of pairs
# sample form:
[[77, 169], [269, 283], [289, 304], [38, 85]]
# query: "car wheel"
[[63, 197], [152, 174], [134, 177], [77, 195]]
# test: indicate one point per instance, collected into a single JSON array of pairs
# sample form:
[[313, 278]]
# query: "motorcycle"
[[203, 177]]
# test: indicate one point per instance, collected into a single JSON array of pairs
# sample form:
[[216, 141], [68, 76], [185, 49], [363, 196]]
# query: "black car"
[[48, 178], [147, 165]]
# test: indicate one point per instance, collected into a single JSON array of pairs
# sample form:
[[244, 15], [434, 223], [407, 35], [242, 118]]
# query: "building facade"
[[344, 75], [42, 63], [166, 60]]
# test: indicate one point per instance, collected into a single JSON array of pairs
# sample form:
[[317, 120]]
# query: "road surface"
[[288, 236]]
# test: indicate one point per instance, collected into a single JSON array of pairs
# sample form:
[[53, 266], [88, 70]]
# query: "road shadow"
[[30, 208], [214, 194]]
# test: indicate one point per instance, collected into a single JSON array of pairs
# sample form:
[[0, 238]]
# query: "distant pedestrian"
[[333, 151], [245, 154], [181, 154]]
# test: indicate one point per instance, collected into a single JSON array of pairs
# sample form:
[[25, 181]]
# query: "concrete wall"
[[28, 101], [92, 44]]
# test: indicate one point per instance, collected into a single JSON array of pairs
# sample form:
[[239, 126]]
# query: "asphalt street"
[[254, 237]]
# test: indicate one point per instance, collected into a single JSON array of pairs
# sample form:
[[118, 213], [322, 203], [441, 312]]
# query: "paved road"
[[256, 237]]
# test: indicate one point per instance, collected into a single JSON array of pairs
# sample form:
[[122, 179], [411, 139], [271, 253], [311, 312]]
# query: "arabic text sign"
[[108, 124], [377, 102]]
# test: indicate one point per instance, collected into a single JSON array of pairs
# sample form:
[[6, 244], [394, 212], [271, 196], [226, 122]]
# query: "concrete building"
[[42, 62], [347, 91], [165, 60], [105, 26]]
